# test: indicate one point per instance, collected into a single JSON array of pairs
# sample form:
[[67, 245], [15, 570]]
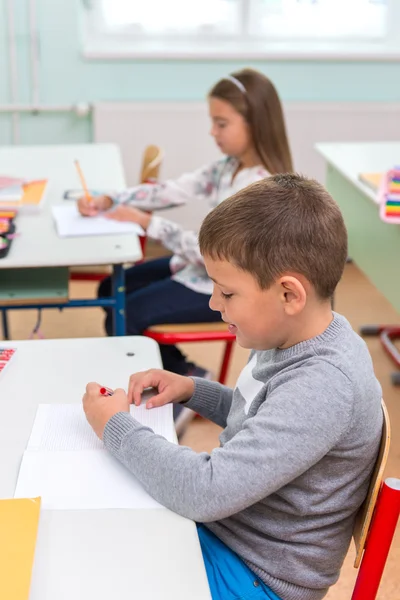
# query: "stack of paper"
[[18, 194], [11, 193], [70, 223], [11, 188], [67, 465], [7, 181]]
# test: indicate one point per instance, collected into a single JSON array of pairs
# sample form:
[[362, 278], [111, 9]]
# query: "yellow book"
[[19, 519]]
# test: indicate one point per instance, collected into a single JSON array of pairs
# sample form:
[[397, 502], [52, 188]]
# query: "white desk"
[[353, 158], [373, 244], [93, 555], [39, 245]]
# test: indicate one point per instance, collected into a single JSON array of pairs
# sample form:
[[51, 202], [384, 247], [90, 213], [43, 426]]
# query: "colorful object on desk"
[[104, 391], [7, 181], [389, 196], [5, 226], [7, 214], [7, 233], [6, 355]]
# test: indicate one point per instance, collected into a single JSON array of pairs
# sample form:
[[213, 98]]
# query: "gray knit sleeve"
[[211, 400], [300, 421]]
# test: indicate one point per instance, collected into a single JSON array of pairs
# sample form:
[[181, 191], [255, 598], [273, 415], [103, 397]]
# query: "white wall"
[[182, 130]]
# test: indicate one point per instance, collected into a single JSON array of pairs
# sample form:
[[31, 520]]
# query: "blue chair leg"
[[118, 287], [5, 323]]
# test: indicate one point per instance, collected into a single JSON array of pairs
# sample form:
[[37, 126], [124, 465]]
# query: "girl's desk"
[[38, 244], [373, 245], [99, 554]]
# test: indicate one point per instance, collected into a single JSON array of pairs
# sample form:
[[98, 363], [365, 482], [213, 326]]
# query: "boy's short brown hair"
[[285, 223]]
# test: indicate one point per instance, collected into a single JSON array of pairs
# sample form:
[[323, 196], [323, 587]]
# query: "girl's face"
[[229, 129]]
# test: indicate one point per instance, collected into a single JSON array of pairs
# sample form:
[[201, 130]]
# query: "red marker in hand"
[[106, 391]]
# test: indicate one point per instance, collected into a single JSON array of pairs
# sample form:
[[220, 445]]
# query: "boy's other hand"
[[96, 205], [170, 387], [124, 212], [99, 409]]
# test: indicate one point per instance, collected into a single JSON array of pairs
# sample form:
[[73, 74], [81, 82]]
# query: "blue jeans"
[[229, 577], [153, 298]]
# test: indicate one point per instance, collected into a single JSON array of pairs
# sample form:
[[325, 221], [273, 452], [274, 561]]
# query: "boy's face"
[[257, 317]]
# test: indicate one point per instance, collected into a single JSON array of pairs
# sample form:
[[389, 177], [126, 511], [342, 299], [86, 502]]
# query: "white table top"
[[351, 159], [39, 244], [97, 554]]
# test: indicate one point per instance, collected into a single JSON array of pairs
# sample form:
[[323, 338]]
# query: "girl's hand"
[[124, 212], [170, 387], [96, 205], [99, 409]]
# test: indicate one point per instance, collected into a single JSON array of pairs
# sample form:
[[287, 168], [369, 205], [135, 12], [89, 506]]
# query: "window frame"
[[98, 43]]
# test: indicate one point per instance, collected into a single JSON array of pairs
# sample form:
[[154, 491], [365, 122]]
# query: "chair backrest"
[[151, 163], [152, 159], [364, 517]]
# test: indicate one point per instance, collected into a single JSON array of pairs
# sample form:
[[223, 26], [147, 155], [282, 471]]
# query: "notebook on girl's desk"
[[70, 468], [70, 223], [23, 196]]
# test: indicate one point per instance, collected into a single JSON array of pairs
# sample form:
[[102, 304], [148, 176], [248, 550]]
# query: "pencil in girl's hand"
[[83, 182]]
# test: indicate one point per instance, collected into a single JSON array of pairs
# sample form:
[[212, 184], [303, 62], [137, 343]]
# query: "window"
[[319, 19], [242, 27], [171, 17]]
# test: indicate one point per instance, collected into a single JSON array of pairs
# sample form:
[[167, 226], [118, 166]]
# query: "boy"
[[303, 425]]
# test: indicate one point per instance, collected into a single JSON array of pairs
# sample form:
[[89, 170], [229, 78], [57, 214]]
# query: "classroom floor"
[[356, 298]]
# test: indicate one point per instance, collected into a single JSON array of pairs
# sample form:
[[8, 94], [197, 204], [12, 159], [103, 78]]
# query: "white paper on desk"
[[89, 479], [69, 468], [59, 427], [70, 223]]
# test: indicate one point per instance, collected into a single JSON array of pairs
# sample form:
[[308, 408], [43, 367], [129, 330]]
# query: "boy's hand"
[[170, 387], [96, 205], [124, 212], [99, 409]]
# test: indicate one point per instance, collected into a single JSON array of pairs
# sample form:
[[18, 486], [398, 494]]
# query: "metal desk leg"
[[5, 324], [118, 287]]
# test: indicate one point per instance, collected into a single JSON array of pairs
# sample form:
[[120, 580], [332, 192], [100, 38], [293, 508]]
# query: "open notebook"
[[70, 223], [69, 467]]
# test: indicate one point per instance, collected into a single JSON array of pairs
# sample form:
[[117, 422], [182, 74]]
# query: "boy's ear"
[[293, 294]]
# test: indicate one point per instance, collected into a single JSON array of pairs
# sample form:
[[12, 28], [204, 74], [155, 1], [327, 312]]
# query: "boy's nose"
[[213, 304]]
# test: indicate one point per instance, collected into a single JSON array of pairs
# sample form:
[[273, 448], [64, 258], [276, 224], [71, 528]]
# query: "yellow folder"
[[372, 180], [33, 192], [19, 519]]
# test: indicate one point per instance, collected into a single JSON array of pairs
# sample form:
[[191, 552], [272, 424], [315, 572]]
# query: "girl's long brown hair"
[[261, 108]]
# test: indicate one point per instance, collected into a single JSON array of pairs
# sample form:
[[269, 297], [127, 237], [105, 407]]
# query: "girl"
[[248, 126]]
